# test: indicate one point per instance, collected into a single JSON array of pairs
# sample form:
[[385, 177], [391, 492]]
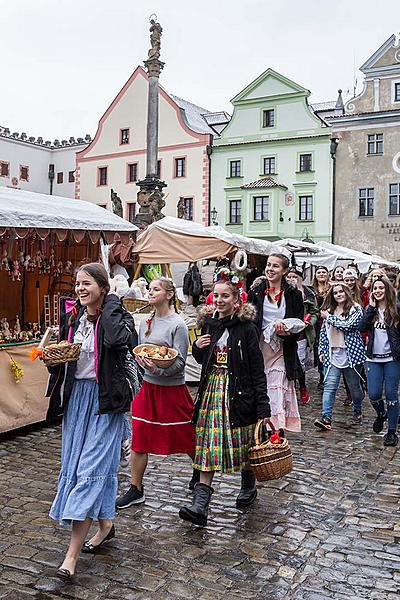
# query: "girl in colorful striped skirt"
[[162, 410], [232, 396]]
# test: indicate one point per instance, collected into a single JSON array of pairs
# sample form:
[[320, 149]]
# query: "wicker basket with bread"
[[161, 356]]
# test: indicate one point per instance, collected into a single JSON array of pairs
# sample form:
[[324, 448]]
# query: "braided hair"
[[169, 286]]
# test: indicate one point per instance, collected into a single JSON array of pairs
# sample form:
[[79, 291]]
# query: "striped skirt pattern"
[[220, 447], [91, 449]]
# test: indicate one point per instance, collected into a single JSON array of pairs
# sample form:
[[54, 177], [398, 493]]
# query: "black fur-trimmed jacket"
[[294, 309], [115, 333], [247, 382]]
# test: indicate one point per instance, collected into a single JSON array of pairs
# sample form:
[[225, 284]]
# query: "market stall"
[[329, 255], [42, 240], [172, 240]]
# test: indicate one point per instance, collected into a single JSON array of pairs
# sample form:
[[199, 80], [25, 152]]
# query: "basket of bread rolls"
[[161, 356]]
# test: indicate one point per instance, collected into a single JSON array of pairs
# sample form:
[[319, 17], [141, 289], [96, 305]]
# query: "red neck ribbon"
[[270, 292]]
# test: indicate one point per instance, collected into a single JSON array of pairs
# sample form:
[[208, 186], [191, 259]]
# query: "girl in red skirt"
[[162, 410]]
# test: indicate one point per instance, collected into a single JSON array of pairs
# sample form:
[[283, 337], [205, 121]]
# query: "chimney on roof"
[[339, 106]]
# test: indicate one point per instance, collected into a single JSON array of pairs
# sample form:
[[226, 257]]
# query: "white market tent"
[[172, 240], [328, 255], [24, 212]]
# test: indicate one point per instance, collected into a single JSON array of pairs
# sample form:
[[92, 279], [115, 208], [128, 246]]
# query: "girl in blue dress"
[[93, 394]]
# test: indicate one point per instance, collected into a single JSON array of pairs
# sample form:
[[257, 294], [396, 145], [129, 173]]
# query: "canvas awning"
[[172, 240], [23, 213], [328, 255]]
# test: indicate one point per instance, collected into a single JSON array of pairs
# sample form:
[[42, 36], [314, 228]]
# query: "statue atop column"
[[155, 39], [150, 197]]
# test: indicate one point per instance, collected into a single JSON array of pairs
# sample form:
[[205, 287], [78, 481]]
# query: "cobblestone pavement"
[[330, 529]]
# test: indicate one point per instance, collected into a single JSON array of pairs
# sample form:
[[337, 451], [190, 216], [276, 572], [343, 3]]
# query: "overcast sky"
[[63, 61]]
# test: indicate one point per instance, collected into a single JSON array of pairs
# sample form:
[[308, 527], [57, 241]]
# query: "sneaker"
[[125, 453], [325, 423], [347, 401], [390, 439], [378, 423], [132, 496], [304, 396], [355, 420]]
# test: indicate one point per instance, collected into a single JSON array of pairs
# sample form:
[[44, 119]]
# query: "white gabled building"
[[27, 163], [116, 158]]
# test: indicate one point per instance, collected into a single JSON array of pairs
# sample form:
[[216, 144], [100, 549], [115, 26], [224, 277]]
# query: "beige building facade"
[[116, 158], [367, 182]]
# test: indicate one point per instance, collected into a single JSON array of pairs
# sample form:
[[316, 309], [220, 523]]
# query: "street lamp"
[[306, 236], [213, 215]]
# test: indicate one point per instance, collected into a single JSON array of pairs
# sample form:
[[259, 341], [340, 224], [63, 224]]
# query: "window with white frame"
[[131, 212], [397, 91], [366, 201], [188, 208], [23, 173], [375, 143], [305, 208], [394, 199], [124, 136], [235, 212], [261, 208], [269, 118], [234, 168], [102, 175], [4, 168], [180, 167], [269, 165], [132, 172], [305, 162]]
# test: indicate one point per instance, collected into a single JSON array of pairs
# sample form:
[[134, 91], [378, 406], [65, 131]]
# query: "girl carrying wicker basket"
[[92, 393], [162, 410], [232, 396]]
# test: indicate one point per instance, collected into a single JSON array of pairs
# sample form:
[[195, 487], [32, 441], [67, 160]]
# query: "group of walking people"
[[251, 355]]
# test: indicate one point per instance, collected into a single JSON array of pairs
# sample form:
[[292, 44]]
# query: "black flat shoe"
[[89, 548], [64, 574]]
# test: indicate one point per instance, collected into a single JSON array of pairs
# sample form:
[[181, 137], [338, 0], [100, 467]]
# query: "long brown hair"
[[100, 275], [315, 283], [169, 286], [330, 303], [391, 315]]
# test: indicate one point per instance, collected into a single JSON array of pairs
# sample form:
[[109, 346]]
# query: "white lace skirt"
[[282, 393]]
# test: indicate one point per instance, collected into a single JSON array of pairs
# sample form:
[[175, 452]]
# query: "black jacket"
[[116, 333], [248, 394], [393, 331], [294, 310], [192, 284]]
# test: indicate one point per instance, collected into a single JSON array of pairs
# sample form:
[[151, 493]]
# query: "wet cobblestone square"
[[330, 529]]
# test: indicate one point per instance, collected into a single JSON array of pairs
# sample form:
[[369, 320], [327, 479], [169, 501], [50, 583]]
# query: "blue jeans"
[[331, 384], [385, 374]]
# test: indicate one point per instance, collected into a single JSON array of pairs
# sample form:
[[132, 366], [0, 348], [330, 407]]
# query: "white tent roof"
[[30, 210], [191, 228], [327, 254]]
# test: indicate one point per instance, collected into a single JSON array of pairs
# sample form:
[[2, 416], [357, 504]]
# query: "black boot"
[[195, 479], [248, 491], [197, 511]]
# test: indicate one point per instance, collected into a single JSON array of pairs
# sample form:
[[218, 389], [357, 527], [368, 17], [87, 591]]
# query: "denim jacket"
[[354, 344]]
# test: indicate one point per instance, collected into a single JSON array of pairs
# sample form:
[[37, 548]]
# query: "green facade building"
[[271, 168]]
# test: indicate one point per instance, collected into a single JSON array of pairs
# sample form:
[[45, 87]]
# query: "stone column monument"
[[150, 197]]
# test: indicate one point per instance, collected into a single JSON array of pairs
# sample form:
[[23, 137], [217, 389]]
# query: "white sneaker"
[[125, 453]]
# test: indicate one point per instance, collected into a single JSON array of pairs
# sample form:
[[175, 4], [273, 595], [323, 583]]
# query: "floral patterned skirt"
[[220, 447]]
